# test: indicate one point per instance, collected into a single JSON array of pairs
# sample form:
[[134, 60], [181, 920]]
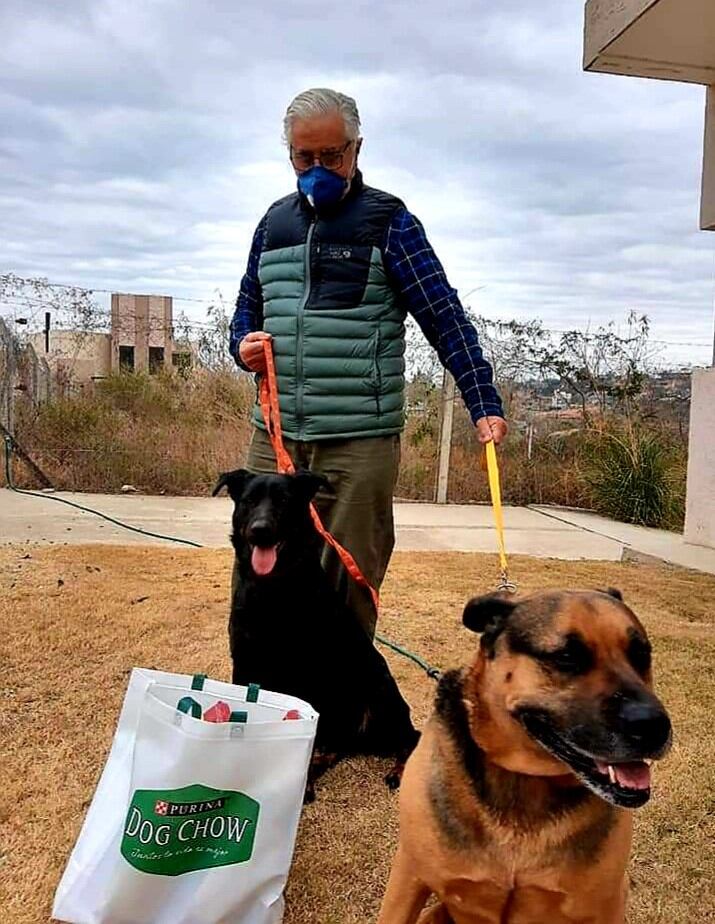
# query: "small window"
[[156, 359], [126, 358]]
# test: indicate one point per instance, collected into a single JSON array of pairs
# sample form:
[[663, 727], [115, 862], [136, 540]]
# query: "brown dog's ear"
[[309, 483], [613, 592], [234, 482], [488, 613]]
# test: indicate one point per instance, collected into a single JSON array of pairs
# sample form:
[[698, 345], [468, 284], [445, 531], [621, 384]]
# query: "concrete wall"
[[665, 39], [605, 21], [700, 512], [75, 355], [707, 213]]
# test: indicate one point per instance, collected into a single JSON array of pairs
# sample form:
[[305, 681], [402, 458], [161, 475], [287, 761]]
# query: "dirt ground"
[[74, 620]]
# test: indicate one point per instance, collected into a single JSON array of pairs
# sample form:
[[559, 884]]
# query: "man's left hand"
[[491, 428]]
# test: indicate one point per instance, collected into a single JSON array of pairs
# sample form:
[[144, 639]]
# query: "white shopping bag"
[[192, 822]]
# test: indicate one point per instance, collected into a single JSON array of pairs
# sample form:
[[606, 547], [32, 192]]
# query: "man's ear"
[[488, 613], [234, 482], [308, 484]]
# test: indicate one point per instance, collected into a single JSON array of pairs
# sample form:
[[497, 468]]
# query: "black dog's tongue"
[[263, 561]]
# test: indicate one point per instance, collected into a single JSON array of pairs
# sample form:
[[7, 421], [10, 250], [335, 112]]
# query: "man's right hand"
[[250, 350]]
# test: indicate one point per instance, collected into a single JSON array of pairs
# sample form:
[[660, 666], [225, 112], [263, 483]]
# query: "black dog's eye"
[[574, 658], [638, 652]]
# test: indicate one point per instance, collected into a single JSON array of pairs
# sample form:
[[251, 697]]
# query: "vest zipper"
[[299, 342], [377, 373]]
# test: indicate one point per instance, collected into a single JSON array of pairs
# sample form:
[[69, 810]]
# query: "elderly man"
[[333, 270]]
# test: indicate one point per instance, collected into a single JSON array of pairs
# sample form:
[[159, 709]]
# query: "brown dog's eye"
[[575, 658], [638, 652]]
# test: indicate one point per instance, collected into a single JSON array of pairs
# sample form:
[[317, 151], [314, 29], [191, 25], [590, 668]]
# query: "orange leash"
[[268, 396]]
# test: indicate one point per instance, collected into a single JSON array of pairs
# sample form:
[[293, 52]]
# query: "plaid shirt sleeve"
[[421, 282], [248, 315]]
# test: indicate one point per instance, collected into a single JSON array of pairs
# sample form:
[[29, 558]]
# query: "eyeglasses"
[[330, 159]]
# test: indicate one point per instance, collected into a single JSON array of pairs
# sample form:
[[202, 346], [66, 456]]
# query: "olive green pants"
[[358, 512]]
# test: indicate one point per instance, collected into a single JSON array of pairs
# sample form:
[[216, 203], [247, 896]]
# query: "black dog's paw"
[[394, 777]]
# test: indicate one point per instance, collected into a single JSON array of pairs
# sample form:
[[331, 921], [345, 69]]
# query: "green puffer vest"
[[338, 331]]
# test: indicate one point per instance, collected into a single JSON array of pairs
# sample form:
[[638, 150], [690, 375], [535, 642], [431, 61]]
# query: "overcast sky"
[[141, 143]]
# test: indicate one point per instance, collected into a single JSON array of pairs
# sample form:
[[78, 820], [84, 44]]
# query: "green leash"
[[432, 672]]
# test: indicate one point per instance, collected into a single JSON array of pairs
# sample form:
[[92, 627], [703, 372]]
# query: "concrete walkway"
[[638, 542], [543, 532]]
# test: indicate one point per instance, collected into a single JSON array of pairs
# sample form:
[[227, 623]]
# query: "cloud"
[[142, 143]]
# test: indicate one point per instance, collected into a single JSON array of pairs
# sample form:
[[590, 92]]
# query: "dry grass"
[[161, 433], [68, 647], [171, 434]]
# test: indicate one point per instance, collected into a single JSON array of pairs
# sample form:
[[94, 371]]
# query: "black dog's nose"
[[261, 533], [646, 724]]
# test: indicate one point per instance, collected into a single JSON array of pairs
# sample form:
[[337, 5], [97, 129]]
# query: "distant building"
[[75, 356], [141, 339]]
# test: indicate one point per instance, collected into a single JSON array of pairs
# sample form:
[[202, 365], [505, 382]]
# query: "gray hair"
[[320, 101]]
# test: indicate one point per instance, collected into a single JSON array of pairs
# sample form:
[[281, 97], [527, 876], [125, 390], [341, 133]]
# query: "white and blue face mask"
[[321, 187]]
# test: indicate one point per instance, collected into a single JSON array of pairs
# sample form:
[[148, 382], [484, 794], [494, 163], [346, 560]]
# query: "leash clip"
[[505, 585]]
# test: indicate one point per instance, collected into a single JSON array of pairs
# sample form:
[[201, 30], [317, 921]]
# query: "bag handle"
[[188, 705], [252, 691]]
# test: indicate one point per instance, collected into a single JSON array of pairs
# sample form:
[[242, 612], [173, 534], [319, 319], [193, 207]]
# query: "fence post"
[[8, 370], [449, 391], [18, 366]]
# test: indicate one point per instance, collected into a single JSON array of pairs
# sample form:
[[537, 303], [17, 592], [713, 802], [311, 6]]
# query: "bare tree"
[[512, 348], [606, 369], [603, 369], [73, 309], [211, 340]]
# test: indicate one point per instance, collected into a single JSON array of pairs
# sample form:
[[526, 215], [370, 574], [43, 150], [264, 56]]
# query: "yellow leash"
[[495, 490]]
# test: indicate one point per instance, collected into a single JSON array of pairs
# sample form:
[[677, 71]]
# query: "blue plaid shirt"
[[420, 281]]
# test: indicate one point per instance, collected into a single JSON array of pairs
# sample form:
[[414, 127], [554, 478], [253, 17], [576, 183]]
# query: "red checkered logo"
[[161, 808]]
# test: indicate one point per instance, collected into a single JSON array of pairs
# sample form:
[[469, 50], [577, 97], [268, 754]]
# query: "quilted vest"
[[338, 330]]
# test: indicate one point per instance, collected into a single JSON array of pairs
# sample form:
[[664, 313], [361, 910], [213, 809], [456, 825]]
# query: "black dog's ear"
[[234, 482], [488, 613], [309, 483], [613, 592]]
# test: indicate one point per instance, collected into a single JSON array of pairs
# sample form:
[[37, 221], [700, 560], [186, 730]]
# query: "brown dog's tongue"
[[630, 776], [633, 776], [263, 560]]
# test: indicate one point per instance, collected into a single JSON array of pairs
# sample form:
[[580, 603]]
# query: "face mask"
[[322, 187]]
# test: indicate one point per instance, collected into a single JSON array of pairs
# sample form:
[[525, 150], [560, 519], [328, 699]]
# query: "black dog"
[[289, 631]]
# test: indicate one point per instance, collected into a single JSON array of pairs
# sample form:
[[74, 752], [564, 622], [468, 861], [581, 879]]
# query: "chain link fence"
[[24, 376]]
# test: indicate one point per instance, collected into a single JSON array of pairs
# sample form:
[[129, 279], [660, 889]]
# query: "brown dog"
[[513, 807]]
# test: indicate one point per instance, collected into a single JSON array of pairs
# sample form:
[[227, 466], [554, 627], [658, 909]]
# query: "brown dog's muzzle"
[[609, 749]]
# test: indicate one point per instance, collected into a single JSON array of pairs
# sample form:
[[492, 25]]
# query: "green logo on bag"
[[175, 831]]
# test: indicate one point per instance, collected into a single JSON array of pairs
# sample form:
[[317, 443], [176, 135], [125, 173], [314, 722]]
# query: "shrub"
[[162, 433], [173, 434], [634, 475]]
